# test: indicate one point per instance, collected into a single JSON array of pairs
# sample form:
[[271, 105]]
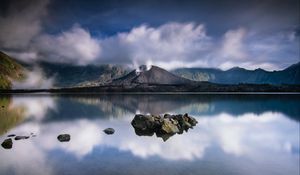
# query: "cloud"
[[35, 79], [27, 56], [170, 45], [174, 45], [232, 44], [252, 50], [258, 44], [74, 46], [21, 23], [171, 41]]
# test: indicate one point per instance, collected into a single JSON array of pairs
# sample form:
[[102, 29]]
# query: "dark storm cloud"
[[219, 16], [171, 34], [20, 21]]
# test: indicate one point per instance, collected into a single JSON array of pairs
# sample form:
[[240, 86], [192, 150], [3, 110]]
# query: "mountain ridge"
[[236, 75]]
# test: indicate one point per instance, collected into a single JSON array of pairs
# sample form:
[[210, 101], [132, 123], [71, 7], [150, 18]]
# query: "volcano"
[[153, 76]]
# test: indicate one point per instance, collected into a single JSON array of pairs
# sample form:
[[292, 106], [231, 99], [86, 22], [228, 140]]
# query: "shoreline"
[[146, 93]]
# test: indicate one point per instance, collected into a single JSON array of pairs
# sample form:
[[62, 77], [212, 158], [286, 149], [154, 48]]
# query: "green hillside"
[[9, 70]]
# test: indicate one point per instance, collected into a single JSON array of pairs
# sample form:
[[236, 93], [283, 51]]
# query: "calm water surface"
[[236, 134]]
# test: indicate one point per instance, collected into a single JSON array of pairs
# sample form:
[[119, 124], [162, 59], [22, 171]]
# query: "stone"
[[21, 137], [7, 143], [11, 135], [167, 116], [169, 127], [64, 137], [144, 125], [164, 127], [109, 131]]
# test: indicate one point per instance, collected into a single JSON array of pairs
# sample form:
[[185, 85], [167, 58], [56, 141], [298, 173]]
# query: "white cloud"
[[174, 45], [168, 42], [34, 79], [75, 46], [29, 56], [170, 45], [232, 44]]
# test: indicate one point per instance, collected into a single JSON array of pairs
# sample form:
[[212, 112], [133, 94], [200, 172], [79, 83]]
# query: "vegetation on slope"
[[9, 70]]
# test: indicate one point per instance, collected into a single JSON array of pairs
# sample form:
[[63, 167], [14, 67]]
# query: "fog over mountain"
[[19, 75]]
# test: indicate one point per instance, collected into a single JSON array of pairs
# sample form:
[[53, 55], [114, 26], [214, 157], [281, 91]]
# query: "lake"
[[236, 135]]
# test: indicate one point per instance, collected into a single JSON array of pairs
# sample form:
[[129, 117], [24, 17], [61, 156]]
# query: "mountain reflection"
[[252, 128], [49, 108], [9, 116]]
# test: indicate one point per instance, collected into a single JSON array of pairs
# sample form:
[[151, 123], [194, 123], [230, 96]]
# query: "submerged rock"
[[164, 127], [109, 131], [21, 137], [7, 143], [64, 137], [11, 135]]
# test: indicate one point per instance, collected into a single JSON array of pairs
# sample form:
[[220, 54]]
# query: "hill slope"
[[9, 70], [66, 75]]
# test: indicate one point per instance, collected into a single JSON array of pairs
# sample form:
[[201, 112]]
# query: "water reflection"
[[238, 134], [9, 116]]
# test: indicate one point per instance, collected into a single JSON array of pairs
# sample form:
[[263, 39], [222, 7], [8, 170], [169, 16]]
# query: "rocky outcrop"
[[164, 127], [64, 137]]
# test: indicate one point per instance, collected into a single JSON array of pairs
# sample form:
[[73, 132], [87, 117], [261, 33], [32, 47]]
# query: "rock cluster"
[[8, 143], [164, 127]]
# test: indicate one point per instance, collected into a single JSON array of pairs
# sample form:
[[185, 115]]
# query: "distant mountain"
[[236, 75], [154, 76], [10, 71], [67, 75]]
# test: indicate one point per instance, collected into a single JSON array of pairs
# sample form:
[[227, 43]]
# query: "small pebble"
[[109, 131], [21, 137], [64, 137], [7, 143]]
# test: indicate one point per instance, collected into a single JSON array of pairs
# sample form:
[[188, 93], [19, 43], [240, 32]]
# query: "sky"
[[170, 33]]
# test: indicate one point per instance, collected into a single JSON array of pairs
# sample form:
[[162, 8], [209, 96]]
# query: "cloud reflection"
[[36, 107], [244, 135]]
